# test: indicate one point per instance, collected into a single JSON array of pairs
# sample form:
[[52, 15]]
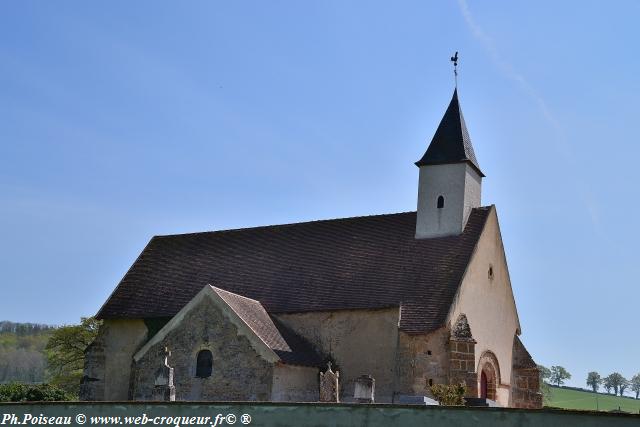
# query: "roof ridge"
[[215, 288], [258, 227], [251, 323]]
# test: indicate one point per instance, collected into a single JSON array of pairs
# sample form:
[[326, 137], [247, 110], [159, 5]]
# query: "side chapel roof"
[[272, 340], [290, 347]]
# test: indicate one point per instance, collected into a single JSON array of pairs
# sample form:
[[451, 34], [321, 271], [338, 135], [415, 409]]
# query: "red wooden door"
[[483, 385]]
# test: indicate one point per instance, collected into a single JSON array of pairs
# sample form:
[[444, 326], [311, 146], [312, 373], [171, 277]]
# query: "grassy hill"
[[573, 399]]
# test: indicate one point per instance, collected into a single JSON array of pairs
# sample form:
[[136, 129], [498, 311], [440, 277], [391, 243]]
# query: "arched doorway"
[[488, 376]]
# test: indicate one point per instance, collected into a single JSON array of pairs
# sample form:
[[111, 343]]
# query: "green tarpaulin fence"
[[184, 414]]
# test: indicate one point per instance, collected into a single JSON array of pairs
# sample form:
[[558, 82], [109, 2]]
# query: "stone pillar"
[[462, 357], [329, 385], [163, 389], [365, 389]]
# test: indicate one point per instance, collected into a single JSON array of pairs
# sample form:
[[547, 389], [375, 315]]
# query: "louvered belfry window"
[[204, 364]]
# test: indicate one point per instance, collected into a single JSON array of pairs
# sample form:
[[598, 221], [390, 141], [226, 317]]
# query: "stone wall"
[[436, 358], [462, 369], [422, 360], [525, 381], [359, 342], [239, 372], [107, 369], [92, 384], [295, 384], [462, 356], [525, 392]]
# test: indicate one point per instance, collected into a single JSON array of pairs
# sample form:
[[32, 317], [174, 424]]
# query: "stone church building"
[[410, 299]]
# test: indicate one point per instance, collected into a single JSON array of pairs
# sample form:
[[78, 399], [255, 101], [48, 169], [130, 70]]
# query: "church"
[[404, 300]]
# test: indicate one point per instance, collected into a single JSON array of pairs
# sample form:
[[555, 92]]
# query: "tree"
[[635, 384], [545, 389], [558, 375], [17, 392], [545, 373], [623, 385], [607, 383], [65, 353], [22, 356], [616, 381], [594, 380]]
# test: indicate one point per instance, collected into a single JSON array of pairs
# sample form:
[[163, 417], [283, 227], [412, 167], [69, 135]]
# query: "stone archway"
[[488, 375]]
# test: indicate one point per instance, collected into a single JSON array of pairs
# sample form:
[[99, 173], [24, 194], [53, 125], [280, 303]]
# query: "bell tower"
[[450, 178]]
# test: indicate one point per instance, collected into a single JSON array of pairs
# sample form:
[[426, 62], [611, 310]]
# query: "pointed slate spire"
[[451, 142]]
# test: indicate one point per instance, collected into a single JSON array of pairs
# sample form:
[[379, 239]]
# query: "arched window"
[[204, 364], [440, 204]]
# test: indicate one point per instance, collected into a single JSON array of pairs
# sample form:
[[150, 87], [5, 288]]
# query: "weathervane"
[[454, 59]]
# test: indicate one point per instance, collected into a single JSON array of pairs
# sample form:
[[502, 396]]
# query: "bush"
[[18, 392], [449, 395]]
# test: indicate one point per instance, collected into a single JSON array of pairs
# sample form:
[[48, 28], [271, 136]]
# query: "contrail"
[[509, 71], [507, 68]]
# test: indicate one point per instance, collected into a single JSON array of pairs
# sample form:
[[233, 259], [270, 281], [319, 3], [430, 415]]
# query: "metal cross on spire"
[[454, 59]]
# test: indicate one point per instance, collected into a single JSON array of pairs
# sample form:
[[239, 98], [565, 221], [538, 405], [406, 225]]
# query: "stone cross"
[[329, 385], [163, 389]]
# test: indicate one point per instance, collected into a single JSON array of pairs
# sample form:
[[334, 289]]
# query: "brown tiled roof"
[[291, 348], [351, 263]]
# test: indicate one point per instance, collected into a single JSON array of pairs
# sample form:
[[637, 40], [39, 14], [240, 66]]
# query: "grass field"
[[574, 399]]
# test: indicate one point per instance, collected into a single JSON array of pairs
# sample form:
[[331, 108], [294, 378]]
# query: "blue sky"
[[123, 120]]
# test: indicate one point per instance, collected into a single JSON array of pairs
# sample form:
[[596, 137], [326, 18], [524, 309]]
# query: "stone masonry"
[[422, 360], [239, 373], [92, 383], [462, 357], [525, 384]]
